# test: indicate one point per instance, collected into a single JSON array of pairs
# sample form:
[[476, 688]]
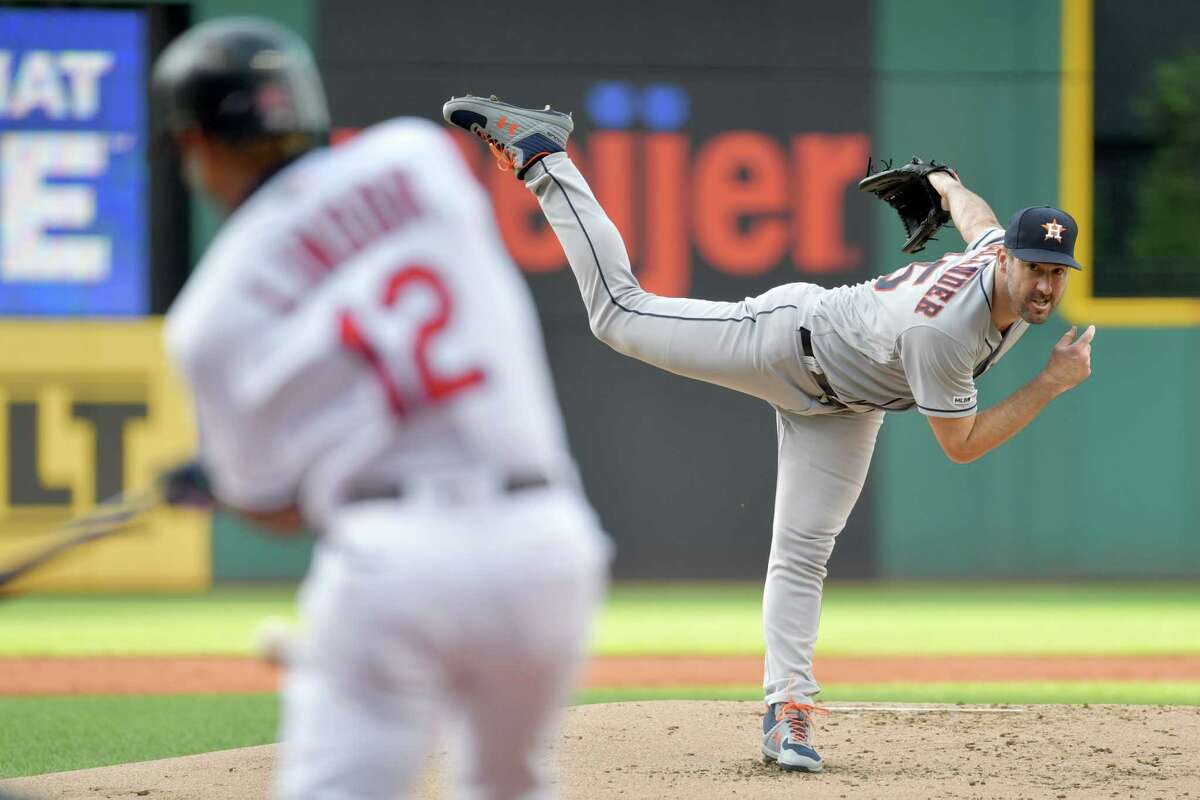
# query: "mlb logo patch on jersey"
[[964, 399]]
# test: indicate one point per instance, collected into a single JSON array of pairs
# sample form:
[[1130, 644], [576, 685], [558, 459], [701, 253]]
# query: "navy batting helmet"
[[240, 78]]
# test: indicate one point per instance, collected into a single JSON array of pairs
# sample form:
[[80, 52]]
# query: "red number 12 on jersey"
[[435, 387]]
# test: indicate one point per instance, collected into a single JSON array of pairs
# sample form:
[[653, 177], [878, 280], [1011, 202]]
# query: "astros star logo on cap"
[[1054, 230]]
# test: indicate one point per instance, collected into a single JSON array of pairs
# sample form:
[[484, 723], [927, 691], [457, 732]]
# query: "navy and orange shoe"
[[787, 737], [518, 137]]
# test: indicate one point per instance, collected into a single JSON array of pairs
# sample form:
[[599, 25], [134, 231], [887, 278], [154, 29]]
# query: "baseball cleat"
[[518, 137], [787, 737]]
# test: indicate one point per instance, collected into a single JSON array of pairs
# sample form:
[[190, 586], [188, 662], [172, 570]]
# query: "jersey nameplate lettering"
[[944, 289], [340, 230], [953, 279], [947, 284]]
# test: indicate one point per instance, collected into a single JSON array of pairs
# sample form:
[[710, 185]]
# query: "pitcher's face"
[[1034, 289]]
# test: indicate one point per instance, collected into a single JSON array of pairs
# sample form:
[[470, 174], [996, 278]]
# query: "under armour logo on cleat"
[[503, 121]]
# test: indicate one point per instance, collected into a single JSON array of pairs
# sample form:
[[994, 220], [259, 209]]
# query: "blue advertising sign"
[[73, 174]]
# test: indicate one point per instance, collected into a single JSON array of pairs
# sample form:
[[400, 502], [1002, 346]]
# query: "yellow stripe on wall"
[[1076, 156]]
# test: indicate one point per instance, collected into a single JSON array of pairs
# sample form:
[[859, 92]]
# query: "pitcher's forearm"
[[965, 439], [970, 212], [1001, 422]]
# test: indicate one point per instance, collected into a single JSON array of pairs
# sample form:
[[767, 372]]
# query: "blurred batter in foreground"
[[365, 361]]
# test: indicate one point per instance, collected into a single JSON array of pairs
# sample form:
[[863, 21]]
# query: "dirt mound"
[[699, 749]]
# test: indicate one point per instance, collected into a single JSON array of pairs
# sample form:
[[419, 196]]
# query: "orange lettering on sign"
[[468, 146], [667, 266], [339, 135], [825, 165], [743, 213], [528, 236], [611, 173], [739, 203]]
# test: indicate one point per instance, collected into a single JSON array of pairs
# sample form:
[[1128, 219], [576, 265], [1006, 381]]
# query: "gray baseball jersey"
[[919, 336]]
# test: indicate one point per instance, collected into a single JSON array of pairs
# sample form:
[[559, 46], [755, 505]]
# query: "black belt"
[[830, 397], [513, 484]]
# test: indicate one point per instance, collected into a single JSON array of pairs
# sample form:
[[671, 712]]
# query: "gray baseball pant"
[[752, 346]]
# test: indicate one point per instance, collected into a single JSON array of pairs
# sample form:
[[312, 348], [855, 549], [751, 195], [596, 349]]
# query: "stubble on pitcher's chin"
[[1035, 316]]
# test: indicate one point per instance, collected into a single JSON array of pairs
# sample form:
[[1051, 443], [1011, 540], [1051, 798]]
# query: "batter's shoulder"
[[426, 151], [414, 137], [189, 331]]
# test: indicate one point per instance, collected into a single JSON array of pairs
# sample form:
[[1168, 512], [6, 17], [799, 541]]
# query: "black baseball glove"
[[908, 190], [187, 485]]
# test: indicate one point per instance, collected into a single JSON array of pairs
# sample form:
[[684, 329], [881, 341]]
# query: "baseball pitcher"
[[830, 361], [365, 360]]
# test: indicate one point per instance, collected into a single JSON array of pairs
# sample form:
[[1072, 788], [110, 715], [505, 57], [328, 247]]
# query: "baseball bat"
[[111, 517]]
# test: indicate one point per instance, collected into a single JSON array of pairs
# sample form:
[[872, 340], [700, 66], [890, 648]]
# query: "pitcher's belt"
[[829, 396]]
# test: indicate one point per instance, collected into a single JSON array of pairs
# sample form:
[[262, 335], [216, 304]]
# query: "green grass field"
[[46, 734], [857, 619]]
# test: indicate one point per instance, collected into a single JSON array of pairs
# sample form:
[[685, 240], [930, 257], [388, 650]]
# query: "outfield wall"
[[727, 152], [1102, 484]]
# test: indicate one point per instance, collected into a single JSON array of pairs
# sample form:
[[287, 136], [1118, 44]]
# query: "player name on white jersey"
[[340, 229]]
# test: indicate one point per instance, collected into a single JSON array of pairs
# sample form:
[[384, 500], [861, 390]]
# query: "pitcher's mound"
[[699, 749]]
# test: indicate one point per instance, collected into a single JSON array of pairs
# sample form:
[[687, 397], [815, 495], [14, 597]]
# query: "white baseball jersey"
[[919, 336], [358, 328], [358, 323]]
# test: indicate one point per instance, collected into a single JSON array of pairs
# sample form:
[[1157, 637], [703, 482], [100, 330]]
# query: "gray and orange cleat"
[[518, 137], [787, 737]]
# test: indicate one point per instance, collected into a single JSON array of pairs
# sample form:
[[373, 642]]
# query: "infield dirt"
[[702, 749], [201, 674]]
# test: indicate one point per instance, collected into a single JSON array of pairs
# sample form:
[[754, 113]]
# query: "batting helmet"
[[239, 78]]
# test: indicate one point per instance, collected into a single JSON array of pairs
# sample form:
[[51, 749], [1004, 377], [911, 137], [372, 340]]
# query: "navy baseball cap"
[[1043, 234]]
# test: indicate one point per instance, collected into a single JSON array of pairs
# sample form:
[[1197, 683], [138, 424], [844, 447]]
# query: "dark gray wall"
[[682, 473]]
